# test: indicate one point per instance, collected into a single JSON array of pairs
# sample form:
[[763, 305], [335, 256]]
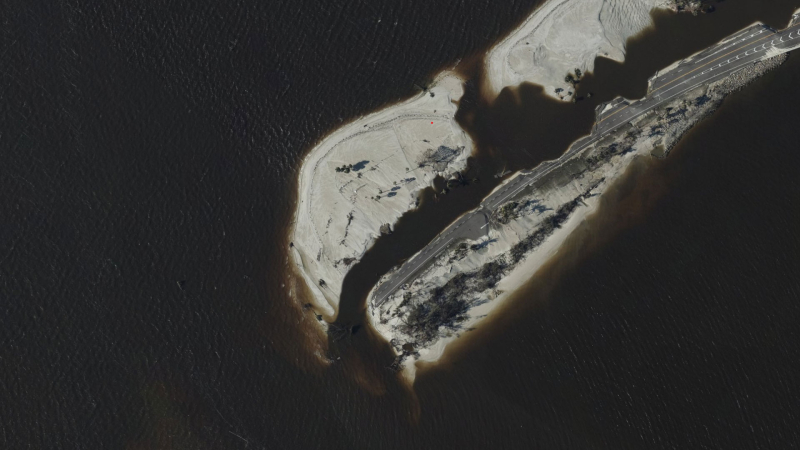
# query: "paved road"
[[712, 64]]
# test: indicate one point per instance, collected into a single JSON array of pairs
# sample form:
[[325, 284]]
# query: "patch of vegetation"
[[440, 157], [574, 79], [702, 100], [406, 300], [674, 112], [656, 130], [460, 252], [507, 213], [446, 309], [347, 227], [691, 6], [482, 244], [426, 318], [603, 155]]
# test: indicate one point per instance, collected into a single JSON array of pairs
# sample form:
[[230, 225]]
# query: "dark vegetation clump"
[[446, 307], [490, 274], [347, 227], [440, 157], [675, 112], [603, 155], [345, 169], [406, 300], [574, 79], [656, 130], [460, 252], [692, 6], [507, 213]]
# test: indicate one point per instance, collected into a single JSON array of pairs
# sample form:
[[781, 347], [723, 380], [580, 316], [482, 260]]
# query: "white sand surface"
[[563, 35], [339, 214]]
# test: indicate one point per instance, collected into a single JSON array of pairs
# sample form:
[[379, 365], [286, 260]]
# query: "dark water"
[[148, 156]]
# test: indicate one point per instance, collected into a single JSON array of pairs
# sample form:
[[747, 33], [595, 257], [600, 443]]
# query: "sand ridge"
[[564, 35]]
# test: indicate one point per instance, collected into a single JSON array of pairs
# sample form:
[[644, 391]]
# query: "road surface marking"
[[687, 73], [765, 37]]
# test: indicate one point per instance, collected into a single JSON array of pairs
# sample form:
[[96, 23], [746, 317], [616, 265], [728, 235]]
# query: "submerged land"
[[360, 180]]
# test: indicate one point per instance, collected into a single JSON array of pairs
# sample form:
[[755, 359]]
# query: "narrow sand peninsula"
[[360, 179], [476, 277], [564, 35]]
